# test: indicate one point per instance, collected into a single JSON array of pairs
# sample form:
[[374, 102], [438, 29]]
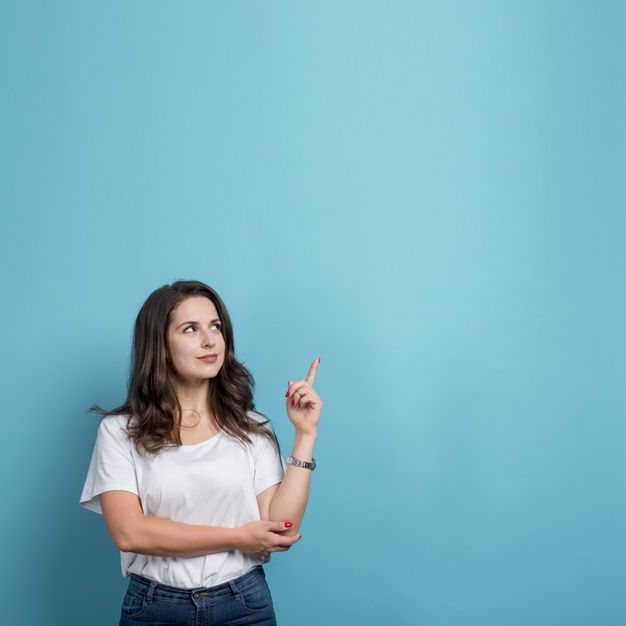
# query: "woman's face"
[[195, 331]]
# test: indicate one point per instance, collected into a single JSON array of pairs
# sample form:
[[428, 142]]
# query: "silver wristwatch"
[[298, 463]]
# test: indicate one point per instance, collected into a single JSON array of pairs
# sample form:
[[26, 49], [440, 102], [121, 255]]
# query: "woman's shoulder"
[[117, 418], [255, 415], [259, 417], [115, 423]]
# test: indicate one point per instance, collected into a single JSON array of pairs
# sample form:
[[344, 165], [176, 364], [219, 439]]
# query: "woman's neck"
[[194, 402]]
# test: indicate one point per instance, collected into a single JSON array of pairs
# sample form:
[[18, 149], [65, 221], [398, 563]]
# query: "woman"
[[189, 477]]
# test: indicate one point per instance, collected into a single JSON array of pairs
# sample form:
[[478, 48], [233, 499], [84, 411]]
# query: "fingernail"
[[287, 395], [288, 524]]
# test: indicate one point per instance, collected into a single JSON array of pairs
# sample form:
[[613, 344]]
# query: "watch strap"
[[299, 463]]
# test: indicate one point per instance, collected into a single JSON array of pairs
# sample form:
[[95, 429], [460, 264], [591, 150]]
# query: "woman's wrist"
[[306, 435], [303, 446]]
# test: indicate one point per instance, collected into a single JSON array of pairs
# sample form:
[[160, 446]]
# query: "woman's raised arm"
[[304, 407]]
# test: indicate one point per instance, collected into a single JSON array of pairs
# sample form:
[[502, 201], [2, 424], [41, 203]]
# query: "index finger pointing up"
[[310, 377]]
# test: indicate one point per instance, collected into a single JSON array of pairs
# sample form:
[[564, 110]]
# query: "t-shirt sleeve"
[[269, 466], [111, 466]]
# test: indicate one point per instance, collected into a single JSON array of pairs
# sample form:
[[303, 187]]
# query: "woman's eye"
[[216, 325]]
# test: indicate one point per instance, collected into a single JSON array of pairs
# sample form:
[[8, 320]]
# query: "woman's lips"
[[209, 359]]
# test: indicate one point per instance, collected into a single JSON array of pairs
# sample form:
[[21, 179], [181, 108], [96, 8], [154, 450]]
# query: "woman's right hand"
[[262, 537]]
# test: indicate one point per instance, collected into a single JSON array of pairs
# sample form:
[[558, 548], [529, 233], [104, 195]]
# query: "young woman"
[[189, 477]]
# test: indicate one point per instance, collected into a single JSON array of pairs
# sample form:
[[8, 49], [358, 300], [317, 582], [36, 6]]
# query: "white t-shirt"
[[214, 483]]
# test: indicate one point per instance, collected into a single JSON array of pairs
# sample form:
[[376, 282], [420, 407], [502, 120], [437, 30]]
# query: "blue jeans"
[[243, 601]]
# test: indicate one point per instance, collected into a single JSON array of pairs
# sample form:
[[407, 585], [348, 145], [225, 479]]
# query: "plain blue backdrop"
[[429, 196]]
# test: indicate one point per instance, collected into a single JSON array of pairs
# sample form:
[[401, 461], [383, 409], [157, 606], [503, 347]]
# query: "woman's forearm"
[[290, 500], [158, 536]]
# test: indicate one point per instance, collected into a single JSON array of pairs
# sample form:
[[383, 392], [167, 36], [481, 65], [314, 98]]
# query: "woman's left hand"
[[304, 406]]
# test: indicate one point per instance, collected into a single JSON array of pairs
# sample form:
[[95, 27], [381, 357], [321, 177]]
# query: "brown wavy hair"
[[151, 395]]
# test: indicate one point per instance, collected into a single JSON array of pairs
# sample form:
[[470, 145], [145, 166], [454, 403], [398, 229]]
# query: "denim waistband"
[[154, 588]]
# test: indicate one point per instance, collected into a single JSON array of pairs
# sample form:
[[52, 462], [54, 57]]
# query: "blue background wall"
[[429, 198]]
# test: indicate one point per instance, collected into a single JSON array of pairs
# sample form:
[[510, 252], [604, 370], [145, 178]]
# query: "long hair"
[[151, 397]]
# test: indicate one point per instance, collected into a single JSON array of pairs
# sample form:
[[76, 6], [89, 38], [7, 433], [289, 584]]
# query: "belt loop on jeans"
[[153, 584], [233, 587]]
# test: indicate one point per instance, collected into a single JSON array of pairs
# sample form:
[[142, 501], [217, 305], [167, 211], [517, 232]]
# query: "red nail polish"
[[287, 395], [288, 524]]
